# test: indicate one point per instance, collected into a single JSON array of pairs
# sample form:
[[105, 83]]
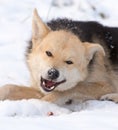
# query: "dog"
[[69, 61]]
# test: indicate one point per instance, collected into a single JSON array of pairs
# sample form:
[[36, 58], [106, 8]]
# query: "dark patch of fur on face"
[[89, 31]]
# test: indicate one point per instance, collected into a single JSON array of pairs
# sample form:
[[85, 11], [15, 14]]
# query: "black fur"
[[91, 32]]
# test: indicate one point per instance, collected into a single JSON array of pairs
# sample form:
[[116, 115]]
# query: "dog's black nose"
[[53, 73]]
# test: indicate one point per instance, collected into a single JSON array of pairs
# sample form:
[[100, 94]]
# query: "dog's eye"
[[69, 62], [48, 53]]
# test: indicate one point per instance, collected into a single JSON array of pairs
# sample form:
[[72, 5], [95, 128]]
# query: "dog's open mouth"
[[49, 85]]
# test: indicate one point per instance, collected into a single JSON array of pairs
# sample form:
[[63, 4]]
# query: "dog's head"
[[58, 59]]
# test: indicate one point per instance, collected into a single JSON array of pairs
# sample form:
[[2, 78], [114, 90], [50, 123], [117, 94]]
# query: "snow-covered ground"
[[15, 32]]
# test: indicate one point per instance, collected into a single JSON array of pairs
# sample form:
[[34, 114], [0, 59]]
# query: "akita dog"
[[69, 61]]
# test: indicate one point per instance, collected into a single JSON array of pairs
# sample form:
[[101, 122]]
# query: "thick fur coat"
[[69, 61]]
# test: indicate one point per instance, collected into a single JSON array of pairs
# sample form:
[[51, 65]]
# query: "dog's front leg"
[[110, 97], [69, 97], [65, 98], [82, 92], [52, 97], [14, 92], [59, 98]]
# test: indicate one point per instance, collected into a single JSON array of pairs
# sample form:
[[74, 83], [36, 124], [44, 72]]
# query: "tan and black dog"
[[69, 61]]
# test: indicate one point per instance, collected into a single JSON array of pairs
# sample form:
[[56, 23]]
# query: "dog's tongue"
[[49, 83]]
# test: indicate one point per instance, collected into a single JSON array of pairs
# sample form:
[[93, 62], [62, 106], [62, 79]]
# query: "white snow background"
[[15, 32]]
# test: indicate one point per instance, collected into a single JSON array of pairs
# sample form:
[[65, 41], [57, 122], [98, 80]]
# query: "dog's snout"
[[53, 73]]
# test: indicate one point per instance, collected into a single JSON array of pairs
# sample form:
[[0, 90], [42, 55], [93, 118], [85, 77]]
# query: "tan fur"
[[81, 83], [14, 92]]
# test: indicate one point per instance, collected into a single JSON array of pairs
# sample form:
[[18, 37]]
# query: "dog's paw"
[[110, 97]]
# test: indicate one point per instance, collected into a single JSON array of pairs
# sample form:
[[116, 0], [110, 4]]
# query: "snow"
[[15, 32]]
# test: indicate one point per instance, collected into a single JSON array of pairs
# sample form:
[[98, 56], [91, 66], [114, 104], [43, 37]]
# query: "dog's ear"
[[39, 29], [92, 49]]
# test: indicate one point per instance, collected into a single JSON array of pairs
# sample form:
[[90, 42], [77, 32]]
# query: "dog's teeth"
[[43, 83], [52, 87]]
